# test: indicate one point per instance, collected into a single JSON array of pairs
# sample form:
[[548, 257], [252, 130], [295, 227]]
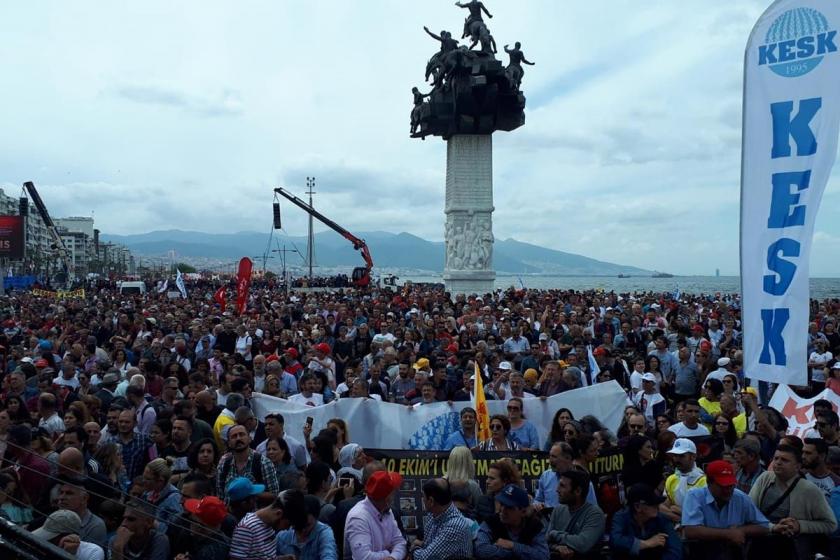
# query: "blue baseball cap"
[[241, 488], [513, 496]]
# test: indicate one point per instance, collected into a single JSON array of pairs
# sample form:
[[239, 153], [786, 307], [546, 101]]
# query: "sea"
[[821, 288]]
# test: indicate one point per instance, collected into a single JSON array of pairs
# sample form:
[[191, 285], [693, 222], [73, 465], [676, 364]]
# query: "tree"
[[183, 267]]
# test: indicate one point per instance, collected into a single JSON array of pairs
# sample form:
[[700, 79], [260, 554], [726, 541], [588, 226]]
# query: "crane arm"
[[358, 243], [51, 228]]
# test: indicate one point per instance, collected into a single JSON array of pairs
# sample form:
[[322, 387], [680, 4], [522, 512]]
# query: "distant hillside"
[[389, 250]]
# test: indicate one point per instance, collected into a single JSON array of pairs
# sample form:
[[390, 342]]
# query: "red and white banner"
[[220, 297], [243, 284], [799, 411]]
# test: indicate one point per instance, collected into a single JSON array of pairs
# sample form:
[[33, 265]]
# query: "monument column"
[[472, 97], [468, 237]]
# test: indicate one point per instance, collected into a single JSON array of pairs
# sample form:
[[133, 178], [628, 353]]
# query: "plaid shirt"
[[448, 535], [134, 454], [269, 474]]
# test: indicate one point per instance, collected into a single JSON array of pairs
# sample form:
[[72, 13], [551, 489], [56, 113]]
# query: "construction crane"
[[361, 274], [58, 244]]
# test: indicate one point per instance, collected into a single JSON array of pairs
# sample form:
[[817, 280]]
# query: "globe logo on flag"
[[796, 42]]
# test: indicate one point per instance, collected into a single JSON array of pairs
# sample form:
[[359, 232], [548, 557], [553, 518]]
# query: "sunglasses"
[[637, 426], [496, 427]]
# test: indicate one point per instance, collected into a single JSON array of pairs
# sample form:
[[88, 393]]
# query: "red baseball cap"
[[722, 473], [292, 352], [697, 328], [273, 358], [209, 509], [323, 347], [381, 484], [452, 348], [599, 352]]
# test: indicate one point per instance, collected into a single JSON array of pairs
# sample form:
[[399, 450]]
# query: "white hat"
[[723, 362], [543, 336], [505, 366], [649, 377], [683, 445]]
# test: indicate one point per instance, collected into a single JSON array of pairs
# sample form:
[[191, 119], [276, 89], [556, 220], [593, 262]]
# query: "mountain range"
[[389, 250]]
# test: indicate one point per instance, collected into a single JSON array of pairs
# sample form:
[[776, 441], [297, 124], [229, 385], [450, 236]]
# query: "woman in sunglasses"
[[499, 440], [523, 432]]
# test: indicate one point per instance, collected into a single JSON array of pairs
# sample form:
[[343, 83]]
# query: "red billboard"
[[12, 240]]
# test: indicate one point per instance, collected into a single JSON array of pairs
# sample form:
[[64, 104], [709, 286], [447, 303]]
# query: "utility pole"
[[283, 252], [264, 258], [310, 186]]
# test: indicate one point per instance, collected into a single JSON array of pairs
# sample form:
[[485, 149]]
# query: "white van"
[[132, 288]]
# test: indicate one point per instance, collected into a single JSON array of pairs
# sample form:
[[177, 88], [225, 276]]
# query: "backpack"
[[256, 468]]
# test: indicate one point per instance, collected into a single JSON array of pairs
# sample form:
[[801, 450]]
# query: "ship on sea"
[[624, 276], [661, 275]]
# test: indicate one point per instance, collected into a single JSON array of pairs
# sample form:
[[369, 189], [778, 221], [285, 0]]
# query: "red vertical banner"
[[219, 297], [243, 284]]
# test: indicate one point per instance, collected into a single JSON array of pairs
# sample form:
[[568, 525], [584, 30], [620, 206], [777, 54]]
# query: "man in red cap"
[[321, 361], [719, 517], [206, 516], [293, 366], [371, 530]]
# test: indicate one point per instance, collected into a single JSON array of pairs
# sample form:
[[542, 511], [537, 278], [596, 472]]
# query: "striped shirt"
[[253, 540]]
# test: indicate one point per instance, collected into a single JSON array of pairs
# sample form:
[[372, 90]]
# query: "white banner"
[[375, 424], [791, 115], [798, 411]]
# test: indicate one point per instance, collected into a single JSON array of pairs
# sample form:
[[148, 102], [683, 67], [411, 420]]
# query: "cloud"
[[226, 103], [630, 152]]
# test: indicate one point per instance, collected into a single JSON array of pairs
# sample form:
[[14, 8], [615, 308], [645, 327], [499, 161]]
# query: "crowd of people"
[[127, 429]]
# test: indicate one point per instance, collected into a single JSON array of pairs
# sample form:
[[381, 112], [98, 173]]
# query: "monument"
[[472, 96]]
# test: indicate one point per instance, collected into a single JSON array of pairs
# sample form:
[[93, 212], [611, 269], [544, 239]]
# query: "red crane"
[[361, 274]]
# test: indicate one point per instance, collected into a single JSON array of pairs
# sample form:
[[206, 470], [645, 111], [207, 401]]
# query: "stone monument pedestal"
[[468, 266]]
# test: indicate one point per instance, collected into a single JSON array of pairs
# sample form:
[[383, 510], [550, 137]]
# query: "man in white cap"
[[499, 384], [649, 401], [687, 476], [722, 370], [62, 529]]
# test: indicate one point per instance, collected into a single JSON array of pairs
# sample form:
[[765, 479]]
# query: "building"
[[79, 238]]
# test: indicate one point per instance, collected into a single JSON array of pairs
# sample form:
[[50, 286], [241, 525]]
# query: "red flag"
[[243, 284], [219, 297]]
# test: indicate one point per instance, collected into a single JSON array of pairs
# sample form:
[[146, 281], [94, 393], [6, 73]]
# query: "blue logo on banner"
[[797, 42], [433, 433]]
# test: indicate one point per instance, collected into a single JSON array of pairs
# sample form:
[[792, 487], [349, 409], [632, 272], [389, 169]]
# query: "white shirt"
[[89, 551], [681, 430], [317, 399], [73, 382], [242, 343], [54, 425]]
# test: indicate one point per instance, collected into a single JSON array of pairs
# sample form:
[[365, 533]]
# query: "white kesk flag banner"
[[791, 116]]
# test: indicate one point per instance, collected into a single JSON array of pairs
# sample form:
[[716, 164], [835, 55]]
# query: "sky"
[[184, 115]]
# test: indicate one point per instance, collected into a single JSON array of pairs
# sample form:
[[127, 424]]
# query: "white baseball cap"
[[683, 445]]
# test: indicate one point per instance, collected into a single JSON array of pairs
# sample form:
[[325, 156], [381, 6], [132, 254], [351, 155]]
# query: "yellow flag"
[[482, 424]]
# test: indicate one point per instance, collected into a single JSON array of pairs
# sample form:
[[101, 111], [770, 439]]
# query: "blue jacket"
[[626, 537], [320, 545], [168, 505], [530, 544]]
